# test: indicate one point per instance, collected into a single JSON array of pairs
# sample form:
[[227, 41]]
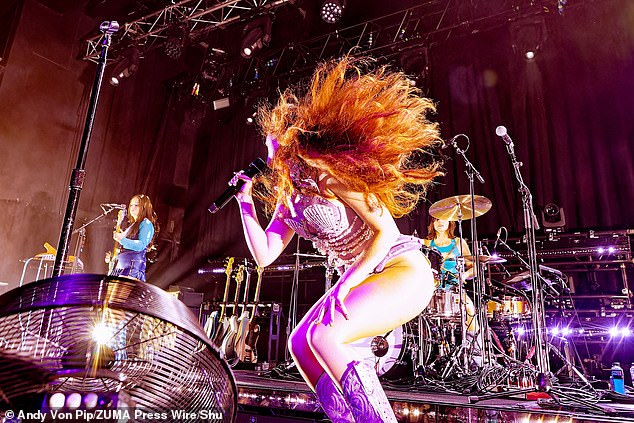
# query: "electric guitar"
[[243, 321], [246, 346], [212, 325], [227, 346], [111, 258]]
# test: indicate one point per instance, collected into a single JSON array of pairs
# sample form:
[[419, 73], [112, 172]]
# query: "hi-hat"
[[458, 207], [482, 258]]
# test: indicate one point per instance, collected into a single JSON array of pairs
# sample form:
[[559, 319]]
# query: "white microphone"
[[113, 206], [497, 238], [500, 131]]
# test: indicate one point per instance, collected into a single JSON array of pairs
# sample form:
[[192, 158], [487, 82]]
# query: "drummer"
[[440, 235]]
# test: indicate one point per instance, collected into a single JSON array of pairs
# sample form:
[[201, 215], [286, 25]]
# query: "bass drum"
[[395, 355]]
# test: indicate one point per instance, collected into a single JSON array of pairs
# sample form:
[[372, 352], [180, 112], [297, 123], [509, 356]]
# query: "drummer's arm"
[[469, 271]]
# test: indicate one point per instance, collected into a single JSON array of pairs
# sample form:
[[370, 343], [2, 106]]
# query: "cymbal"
[[451, 208], [483, 258]]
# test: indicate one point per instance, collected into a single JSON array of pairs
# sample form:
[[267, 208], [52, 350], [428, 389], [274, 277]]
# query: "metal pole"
[[78, 174]]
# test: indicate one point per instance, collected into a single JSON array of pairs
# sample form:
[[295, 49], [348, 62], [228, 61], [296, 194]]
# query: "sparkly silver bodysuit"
[[337, 231]]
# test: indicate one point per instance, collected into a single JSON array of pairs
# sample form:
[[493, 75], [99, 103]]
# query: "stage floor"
[[264, 398]]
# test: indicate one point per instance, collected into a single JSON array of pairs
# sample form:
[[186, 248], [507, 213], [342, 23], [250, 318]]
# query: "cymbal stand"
[[481, 335]]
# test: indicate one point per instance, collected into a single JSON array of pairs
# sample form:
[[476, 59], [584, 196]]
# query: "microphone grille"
[[500, 131]]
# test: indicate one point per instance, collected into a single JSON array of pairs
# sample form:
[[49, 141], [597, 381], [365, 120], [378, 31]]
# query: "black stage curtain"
[[569, 113]]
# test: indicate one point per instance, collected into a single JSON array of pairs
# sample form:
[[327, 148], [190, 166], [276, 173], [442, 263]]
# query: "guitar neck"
[[225, 296]]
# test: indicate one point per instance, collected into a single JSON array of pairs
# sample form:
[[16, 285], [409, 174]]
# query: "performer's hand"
[[108, 257], [332, 302], [118, 236], [246, 191]]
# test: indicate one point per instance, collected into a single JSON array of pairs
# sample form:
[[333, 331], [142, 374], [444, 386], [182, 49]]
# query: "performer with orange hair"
[[346, 158]]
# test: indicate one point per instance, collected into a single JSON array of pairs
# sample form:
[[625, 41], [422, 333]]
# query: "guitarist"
[[136, 239]]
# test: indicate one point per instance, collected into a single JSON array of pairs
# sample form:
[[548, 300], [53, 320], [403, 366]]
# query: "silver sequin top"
[[334, 229]]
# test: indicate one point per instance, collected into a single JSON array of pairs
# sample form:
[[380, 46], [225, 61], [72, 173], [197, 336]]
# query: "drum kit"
[[440, 343]]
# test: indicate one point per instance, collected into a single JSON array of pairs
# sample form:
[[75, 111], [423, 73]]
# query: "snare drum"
[[435, 260], [445, 304]]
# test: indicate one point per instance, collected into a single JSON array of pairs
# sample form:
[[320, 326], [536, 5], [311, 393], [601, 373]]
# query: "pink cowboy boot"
[[331, 400], [364, 393]]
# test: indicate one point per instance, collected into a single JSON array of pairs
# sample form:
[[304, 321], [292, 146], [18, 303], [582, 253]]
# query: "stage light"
[[565, 331], [90, 400], [175, 42], [127, 66], [528, 37], [553, 217], [73, 401], [57, 401], [331, 11], [614, 331], [626, 331], [554, 331], [257, 34]]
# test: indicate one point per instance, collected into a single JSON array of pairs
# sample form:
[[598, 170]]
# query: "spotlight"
[[553, 217], [614, 331], [332, 10], [127, 66], [257, 34], [251, 118], [528, 37]]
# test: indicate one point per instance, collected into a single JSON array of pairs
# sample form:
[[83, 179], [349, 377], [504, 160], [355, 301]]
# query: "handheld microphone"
[[256, 166], [114, 206], [497, 239], [500, 131]]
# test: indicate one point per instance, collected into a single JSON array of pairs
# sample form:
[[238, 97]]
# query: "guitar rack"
[[266, 309]]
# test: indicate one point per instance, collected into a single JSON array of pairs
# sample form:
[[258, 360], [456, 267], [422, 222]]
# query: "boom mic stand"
[[542, 382], [79, 173], [79, 247]]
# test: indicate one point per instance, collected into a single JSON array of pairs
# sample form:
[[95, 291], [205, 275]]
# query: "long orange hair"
[[368, 130]]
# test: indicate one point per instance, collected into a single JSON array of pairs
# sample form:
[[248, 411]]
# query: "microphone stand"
[[538, 312], [79, 174], [473, 173], [542, 382], [79, 247]]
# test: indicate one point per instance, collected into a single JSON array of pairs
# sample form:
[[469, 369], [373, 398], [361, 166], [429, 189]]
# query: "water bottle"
[[617, 383]]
